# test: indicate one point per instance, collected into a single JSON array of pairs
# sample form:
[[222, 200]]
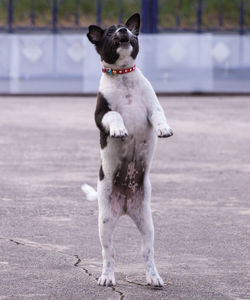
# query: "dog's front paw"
[[118, 132], [164, 131], [154, 280], [106, 280]]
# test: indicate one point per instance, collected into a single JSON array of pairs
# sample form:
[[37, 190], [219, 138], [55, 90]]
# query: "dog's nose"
[[122, 30]]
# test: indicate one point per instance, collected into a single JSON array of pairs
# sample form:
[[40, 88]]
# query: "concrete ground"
[[49, 247]]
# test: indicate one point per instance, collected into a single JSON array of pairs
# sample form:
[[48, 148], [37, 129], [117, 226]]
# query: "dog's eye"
[[109, 33]]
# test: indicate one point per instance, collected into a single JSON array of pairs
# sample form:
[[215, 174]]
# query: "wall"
[[68, 63]]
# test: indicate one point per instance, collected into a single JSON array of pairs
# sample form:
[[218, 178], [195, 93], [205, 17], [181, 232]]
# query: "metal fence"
[[157, 15]]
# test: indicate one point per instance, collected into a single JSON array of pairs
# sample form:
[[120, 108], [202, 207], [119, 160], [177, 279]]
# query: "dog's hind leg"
[[142, 217], [107, 221]]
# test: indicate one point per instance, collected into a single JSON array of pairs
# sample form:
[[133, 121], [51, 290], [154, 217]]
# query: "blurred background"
[[187, 46]]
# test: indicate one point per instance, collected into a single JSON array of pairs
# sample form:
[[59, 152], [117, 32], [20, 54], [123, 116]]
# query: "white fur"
[[90, 193], [136, 112], [113, 123]]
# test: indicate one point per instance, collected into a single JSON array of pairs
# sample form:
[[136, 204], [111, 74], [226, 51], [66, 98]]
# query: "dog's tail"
[[91, 193]]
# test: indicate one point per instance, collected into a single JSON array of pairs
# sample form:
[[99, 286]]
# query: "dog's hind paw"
[[155, 280], [106, 280]]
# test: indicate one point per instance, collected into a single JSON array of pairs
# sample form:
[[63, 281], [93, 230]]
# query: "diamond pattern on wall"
[[177, 52], [32, 51], [220, 52], [76, 52]]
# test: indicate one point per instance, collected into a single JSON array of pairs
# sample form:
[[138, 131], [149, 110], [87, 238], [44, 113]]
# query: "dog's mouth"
[[124, 42], [124, 39]]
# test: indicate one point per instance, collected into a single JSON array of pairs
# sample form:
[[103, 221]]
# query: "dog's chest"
[[125, 95]]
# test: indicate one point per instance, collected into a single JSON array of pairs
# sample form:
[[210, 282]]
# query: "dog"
[[129, 117]]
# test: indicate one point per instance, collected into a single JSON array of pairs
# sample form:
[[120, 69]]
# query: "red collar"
[[117, 72]]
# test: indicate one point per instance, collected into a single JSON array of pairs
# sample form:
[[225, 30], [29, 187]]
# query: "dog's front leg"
[[113, 123], [107, 120], [158, 120]]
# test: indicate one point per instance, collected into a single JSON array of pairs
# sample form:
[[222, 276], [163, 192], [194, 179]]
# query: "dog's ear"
[[95, 34], [133, 23]]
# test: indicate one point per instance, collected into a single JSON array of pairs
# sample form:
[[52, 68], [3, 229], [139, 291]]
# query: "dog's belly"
[[128, 162], [127, 184], [129, 173]]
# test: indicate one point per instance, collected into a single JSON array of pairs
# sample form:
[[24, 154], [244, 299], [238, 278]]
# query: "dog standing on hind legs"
[[129, 117]]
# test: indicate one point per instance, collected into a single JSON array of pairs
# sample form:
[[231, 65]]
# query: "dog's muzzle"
[[123, 37]]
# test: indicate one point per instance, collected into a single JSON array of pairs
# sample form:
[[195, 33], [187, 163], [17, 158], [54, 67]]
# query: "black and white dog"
[[129, 117]]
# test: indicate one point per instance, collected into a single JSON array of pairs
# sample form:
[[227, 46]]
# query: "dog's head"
[[118, 44]]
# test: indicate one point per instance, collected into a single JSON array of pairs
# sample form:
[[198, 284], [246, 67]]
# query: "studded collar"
[[118, 71]]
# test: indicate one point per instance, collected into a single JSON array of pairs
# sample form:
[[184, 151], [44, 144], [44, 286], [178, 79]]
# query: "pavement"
[[49, 246]]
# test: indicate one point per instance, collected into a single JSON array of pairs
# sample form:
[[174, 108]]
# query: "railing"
[[157, 15], [204, 15]]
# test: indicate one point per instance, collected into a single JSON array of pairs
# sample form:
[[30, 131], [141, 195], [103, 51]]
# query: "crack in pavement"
[[78, 260], [114, 289], [137, 283], [76, 264], [28, 243], [16, 242]]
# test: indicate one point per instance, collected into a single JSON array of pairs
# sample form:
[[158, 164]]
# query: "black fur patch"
[[108, 46], [129, 176], [135, 45], [101, 174], [103, 139], [102, 108]]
